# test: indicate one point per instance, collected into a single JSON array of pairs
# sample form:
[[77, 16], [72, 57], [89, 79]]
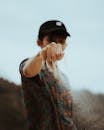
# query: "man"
[[47, 98]]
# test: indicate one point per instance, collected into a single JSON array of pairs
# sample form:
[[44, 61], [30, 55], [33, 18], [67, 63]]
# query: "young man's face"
[[57, 39]]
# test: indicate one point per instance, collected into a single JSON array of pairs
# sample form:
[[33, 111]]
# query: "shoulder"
[[22, 65]]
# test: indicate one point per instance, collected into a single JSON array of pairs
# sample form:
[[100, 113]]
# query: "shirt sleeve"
[[22, 65]]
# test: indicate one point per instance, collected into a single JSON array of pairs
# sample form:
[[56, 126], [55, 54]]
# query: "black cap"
[[51, 26]]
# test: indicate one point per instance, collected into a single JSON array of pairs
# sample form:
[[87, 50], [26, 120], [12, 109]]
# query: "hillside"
[[11, 107], [88, 108]]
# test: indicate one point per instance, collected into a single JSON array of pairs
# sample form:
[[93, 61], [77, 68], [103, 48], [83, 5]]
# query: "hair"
[[52, 36], [40, 37]]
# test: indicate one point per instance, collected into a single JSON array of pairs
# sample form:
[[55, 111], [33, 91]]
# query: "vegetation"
[[88, 108]]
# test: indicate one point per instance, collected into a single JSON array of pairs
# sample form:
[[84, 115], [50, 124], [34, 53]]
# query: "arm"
[[51, 53], [33, 65]]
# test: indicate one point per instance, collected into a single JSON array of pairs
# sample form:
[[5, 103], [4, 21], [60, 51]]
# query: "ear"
[[39, 42]]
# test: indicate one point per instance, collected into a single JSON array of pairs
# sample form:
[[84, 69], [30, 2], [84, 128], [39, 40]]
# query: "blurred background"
[[84, 56], [83, 63]]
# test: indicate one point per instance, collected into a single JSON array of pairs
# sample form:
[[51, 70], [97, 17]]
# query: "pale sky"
[[84, 19]]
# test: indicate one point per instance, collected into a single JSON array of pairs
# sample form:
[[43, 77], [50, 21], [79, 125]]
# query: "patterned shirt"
[[48, 101]]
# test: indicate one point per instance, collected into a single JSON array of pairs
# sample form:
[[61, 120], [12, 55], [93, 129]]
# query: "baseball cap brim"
[[57, 29]]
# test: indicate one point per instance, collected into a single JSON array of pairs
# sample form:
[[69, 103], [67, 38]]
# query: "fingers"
[[59, 52], [54, 52], [51, 53]]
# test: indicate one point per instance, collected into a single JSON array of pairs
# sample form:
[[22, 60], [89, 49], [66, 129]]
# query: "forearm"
[[51, 53], [33, 65]]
